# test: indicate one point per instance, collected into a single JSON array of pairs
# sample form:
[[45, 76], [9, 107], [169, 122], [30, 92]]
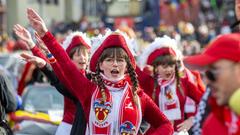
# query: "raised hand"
[[39, 62], [186, 125], [24, 34], [36, 22]]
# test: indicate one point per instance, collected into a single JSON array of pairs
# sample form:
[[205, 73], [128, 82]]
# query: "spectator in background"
[[149, 34], [190, 47], [30, 75], [7, 102], [7, 98], [237, 9], [235, 26], [203, 35], [83, 24]]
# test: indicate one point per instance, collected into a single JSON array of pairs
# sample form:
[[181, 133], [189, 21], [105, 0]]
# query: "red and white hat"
[[225, 46], [160, 46], [75, 39], [110, 39]]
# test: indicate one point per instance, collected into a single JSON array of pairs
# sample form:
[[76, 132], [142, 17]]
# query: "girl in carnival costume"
[[171, 82], [112, 101]]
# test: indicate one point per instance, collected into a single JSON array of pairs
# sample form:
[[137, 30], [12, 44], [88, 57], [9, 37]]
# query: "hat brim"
[[113, 40], [200, 60]]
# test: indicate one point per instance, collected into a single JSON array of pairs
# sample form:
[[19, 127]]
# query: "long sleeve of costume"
[[21, 83], [57, 72], [200, 84], [155, 117], [193, 91], [146, 81], [79, 124], [69, 100], [62, 85], [78, 80], [48, 71], [37, 52], [8, 99]]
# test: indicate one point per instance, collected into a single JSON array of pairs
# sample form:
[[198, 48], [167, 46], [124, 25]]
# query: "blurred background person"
[[222, 68], [8, 103]]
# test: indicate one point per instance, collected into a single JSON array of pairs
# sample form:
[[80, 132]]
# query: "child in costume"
[[171, 82], [112, 101]]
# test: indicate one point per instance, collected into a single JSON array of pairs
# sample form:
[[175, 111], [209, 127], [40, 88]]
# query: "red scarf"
[[115, 116]]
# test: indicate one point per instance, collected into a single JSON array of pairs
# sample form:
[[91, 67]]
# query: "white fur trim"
[[159, 42], [133, 46], [98, 40], [69, 38], [129, 41]]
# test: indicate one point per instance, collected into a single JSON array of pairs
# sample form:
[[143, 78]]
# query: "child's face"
[[113, 67], [80, 59], [166, 72]]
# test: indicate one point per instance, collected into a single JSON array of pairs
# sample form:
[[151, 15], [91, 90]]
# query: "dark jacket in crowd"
[[7, 98], [79, 124]]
